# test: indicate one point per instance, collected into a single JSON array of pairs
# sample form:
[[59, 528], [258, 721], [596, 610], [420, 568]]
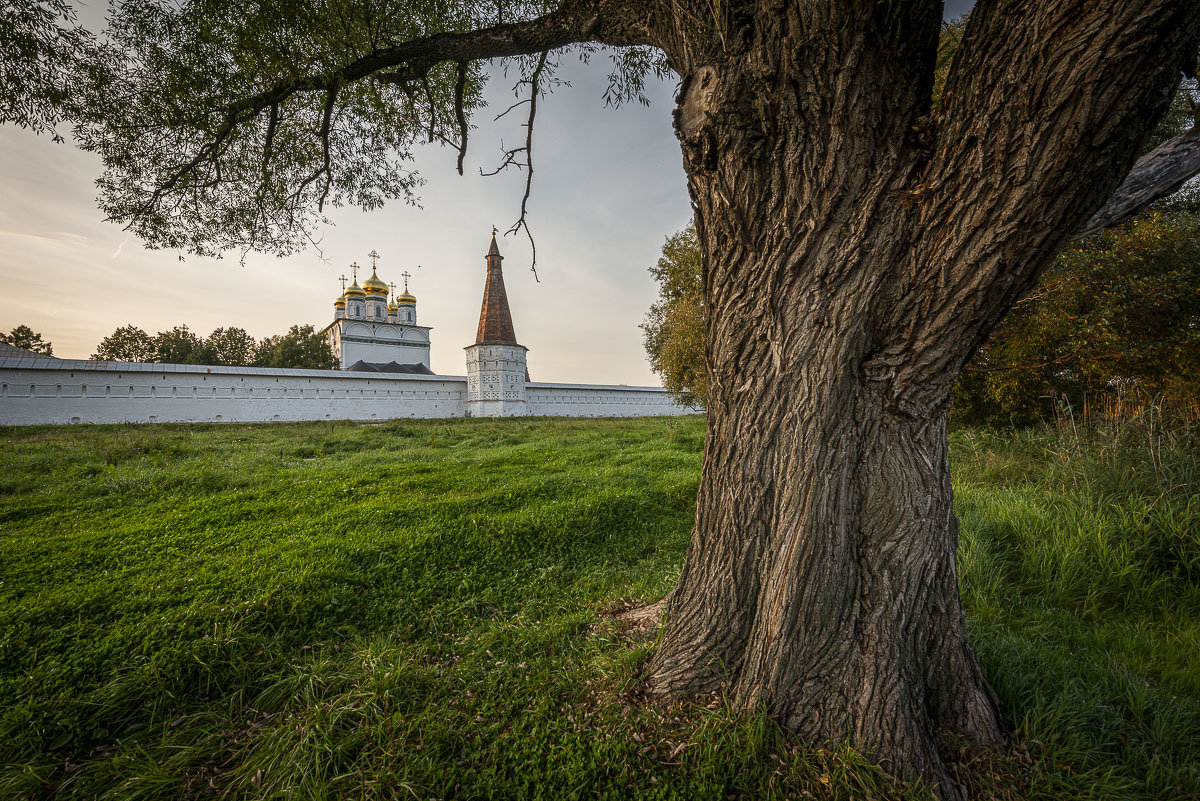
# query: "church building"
[[371, 333]]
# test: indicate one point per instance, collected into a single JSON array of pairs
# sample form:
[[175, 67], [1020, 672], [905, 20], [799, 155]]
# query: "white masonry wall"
[[53, 391], [45, 391], [600, 400]]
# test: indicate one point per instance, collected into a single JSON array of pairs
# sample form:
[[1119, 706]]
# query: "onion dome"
[[340, 302], [404, 297], [354, 291], [373, 286], [392, 308]]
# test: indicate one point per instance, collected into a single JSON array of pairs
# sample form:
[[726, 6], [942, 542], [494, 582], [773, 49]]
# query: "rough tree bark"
[[856, 252]]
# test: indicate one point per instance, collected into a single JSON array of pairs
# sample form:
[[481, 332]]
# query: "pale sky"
[[608, 189]]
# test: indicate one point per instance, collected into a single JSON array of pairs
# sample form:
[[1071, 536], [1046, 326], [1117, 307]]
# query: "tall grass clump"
[[1080, 570]]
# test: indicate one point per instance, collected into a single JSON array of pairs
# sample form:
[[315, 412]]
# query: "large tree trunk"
[[856, 251]]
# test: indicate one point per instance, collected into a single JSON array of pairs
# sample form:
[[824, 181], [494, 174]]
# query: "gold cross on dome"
[[393, 287], [342, 278], [354, 270], [373, 256], [494, 229], [405, 275]]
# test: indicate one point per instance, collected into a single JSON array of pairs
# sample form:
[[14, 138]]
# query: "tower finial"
[[373, 256], [342, 278], [393, 288], [405, 275], [354, 270]]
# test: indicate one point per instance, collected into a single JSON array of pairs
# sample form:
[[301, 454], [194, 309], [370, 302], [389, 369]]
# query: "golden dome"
[[404, 297], [354, 291], [373, 286], [341, 301]]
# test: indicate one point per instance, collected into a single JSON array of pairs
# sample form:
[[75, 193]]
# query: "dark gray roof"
[[12, 351], [389, 367]]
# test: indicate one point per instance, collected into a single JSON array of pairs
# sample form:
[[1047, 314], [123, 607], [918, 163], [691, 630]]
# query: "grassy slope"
[[416, 610]]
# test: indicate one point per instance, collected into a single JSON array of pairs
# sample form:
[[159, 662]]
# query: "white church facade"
[[385, 374], [370, 329]]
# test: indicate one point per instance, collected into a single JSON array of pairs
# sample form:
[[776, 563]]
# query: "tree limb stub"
[[1154, 176]]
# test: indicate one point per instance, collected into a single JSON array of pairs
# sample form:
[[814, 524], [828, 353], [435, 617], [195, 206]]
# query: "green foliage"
[[127, 344], [26, 338], [181, 346], [948, 45], [674, 326], [420, 610], [301, 347], [41, 48], [1116, 313], [232, 346]]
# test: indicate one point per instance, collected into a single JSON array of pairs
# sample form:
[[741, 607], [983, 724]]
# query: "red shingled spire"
[[495, 320]]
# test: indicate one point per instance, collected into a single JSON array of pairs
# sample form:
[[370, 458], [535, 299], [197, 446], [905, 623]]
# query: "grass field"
[[418, 610]]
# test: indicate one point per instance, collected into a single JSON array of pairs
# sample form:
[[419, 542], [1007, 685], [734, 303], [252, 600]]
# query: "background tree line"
[[301, 347]]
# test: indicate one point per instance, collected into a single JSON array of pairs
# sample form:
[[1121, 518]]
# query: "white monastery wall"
[[52, 391], [41, 391], [598, 400]]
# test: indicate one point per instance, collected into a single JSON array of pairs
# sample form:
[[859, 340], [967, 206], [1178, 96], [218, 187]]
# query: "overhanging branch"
[[1159, 173]]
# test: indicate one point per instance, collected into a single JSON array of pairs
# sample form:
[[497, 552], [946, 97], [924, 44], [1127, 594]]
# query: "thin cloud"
[[120, 247]]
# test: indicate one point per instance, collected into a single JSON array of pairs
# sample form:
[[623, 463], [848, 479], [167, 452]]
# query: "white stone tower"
[[496, 371]]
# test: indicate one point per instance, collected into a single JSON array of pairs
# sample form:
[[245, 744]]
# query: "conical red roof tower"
[[495, 320]]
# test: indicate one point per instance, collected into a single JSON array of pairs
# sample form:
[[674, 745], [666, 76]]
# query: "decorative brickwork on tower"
[[495, 320], [496, 373]]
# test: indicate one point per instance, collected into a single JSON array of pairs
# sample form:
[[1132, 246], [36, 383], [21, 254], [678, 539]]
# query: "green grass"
[[417, 610]]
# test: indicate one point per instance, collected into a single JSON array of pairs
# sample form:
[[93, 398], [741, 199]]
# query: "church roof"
[[495, 320], [13, 352], [389, 367]]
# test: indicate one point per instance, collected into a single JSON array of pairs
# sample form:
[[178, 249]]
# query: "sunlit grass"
[[417, 610]]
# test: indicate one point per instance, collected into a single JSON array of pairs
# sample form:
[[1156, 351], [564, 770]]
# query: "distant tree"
[[231, 346], [301, 347], [40, 48], [181, 346], [25, 337], [127, 344], [1118, 311], [674, 326]]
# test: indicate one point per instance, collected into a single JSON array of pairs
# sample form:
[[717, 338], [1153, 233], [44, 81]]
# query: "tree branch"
[[460, 86], [605, 21], [1156, 175], [521, 221], [573, 22]]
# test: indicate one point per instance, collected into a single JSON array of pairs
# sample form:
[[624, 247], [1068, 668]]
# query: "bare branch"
[[509, 160], [510, 108], [522, 220]]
